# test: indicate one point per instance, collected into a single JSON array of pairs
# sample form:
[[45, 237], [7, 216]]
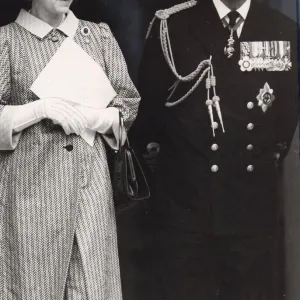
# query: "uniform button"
[[250, 147], [250, 168], [214, 147], [54, 39], [250, 126], [69, 148], [250, 105], [214, 168]]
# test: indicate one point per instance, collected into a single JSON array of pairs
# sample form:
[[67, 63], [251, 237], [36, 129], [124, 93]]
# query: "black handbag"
[[129, 182]]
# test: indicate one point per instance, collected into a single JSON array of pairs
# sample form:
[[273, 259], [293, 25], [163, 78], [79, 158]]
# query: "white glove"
[[106, 122], [100, 120], [57, 110]]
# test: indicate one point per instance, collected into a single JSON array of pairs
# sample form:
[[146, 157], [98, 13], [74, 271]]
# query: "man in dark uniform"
[[219, 191]]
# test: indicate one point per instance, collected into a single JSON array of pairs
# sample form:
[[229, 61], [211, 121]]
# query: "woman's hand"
[[107, 122], [63, 114], [100, 119]]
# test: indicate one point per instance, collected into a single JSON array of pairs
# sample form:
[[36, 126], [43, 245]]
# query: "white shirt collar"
[[223, 10], [40, 28]]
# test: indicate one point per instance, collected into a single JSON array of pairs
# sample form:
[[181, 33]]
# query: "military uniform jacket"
[[243, 196], [54, 186]]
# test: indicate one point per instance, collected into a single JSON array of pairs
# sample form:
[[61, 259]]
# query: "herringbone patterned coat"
[[48, 191]]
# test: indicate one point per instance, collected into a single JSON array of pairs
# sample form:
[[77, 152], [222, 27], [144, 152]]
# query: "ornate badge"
[[86, 32], [265, 97], [268, 56], [229, 49]]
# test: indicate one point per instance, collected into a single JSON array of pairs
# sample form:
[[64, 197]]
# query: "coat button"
[[250, 105], [214, 147], [69, 148], [54, 39], [250, 147], [250, 168], [250, 126], [214, 168]]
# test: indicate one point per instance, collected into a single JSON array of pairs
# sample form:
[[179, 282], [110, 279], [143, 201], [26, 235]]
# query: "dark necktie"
[[233, 16]]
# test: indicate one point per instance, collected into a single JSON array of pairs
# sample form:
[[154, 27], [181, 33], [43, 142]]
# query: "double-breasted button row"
[[215, 168], [250, 126], [249, 147], [215, 147]]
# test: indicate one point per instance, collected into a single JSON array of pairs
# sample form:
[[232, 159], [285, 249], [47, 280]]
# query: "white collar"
[[40, 28], [223, 10]]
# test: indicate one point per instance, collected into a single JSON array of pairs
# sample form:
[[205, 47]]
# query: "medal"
[[86, 32], [265, 56], [229, 50], [265, 97]]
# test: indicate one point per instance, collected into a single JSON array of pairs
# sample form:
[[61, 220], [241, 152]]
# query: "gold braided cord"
[[204, 68], [165, 41]]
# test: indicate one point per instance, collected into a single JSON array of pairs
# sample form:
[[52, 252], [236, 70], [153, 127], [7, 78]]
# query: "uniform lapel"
[[252, 25], [207, 28]]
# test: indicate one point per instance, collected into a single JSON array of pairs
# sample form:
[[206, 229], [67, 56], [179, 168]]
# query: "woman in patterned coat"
[[57, 221]]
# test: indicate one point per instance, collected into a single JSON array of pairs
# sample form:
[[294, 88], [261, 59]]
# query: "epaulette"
[[164, 14]]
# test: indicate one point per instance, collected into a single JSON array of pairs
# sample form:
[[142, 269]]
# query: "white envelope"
[[74, 76]]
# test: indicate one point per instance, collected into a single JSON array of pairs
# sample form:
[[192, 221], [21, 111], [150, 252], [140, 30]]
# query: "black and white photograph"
[[149, 150]]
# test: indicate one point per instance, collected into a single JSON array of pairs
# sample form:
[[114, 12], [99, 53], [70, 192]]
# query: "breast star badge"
[[265, 97]]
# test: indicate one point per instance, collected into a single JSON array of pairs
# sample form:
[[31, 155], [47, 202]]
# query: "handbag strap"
[[121, 131]]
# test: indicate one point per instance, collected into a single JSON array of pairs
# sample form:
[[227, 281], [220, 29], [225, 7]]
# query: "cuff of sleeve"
[[8, 138]]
